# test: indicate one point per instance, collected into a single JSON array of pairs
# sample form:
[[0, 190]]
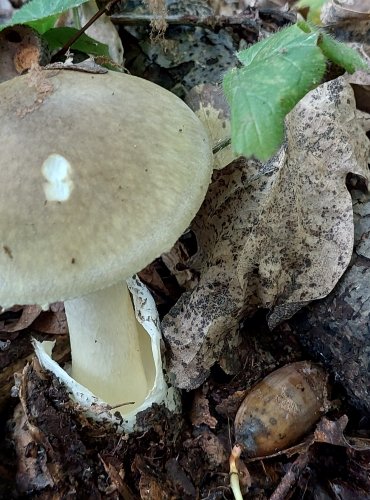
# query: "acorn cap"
[[100, 174]]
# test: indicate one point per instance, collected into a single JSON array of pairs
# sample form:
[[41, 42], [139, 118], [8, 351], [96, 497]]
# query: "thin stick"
[[203, 21], [121, 404], [222, 145], [77, 35], [290, 478], [186, 19]]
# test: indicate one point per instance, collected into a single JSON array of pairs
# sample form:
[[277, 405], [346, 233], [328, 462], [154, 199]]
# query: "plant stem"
[[234, 473]]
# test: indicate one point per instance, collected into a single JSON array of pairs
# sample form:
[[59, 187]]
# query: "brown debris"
[[214, 450], [47, 438], [53, 321], [200, 413], [229, 405], [28, 316], [290, 478], [180, 481], [151, 486], [116, 473], [32, 474]]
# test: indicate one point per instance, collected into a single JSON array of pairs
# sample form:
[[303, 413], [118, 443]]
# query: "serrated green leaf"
[[273, 46], [278, 72], [341, 54], [39, 9], [57, 37]]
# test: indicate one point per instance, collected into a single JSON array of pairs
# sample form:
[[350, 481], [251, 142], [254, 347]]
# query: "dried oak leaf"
[[276, 236]]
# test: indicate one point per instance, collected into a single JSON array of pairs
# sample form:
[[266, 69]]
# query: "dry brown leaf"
[[275, 236], [340, 10], [28, 316], [53, 321], [332, 432]]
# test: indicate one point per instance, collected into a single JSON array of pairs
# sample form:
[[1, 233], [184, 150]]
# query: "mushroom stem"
[[109, 347]]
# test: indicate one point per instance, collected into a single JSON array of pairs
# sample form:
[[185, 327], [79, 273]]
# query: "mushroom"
[[100, 174]]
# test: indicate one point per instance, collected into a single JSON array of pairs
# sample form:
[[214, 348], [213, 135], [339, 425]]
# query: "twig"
[[290, 478], [77, 35], [222, 145], [202, 21], [234, 473], [120, 404], [185, 19]]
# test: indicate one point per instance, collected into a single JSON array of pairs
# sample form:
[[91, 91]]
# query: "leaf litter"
[[276, 235]]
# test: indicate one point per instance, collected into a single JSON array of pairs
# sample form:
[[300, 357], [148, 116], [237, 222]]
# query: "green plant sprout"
[[275, 75]]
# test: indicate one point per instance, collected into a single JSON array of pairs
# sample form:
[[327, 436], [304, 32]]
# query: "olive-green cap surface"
[[100, 174]]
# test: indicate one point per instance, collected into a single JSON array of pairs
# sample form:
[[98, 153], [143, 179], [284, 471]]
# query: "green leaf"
[[341, 54], [44, 24], [278, 72], [39, 9], [314, 6], [57, 37]]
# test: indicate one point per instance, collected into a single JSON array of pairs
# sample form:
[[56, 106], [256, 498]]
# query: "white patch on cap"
[[57, 171]]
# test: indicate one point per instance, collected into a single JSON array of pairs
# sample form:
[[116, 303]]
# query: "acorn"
[[281, 409]]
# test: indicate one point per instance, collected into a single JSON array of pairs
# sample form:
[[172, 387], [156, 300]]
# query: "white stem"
[[108, 347]]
